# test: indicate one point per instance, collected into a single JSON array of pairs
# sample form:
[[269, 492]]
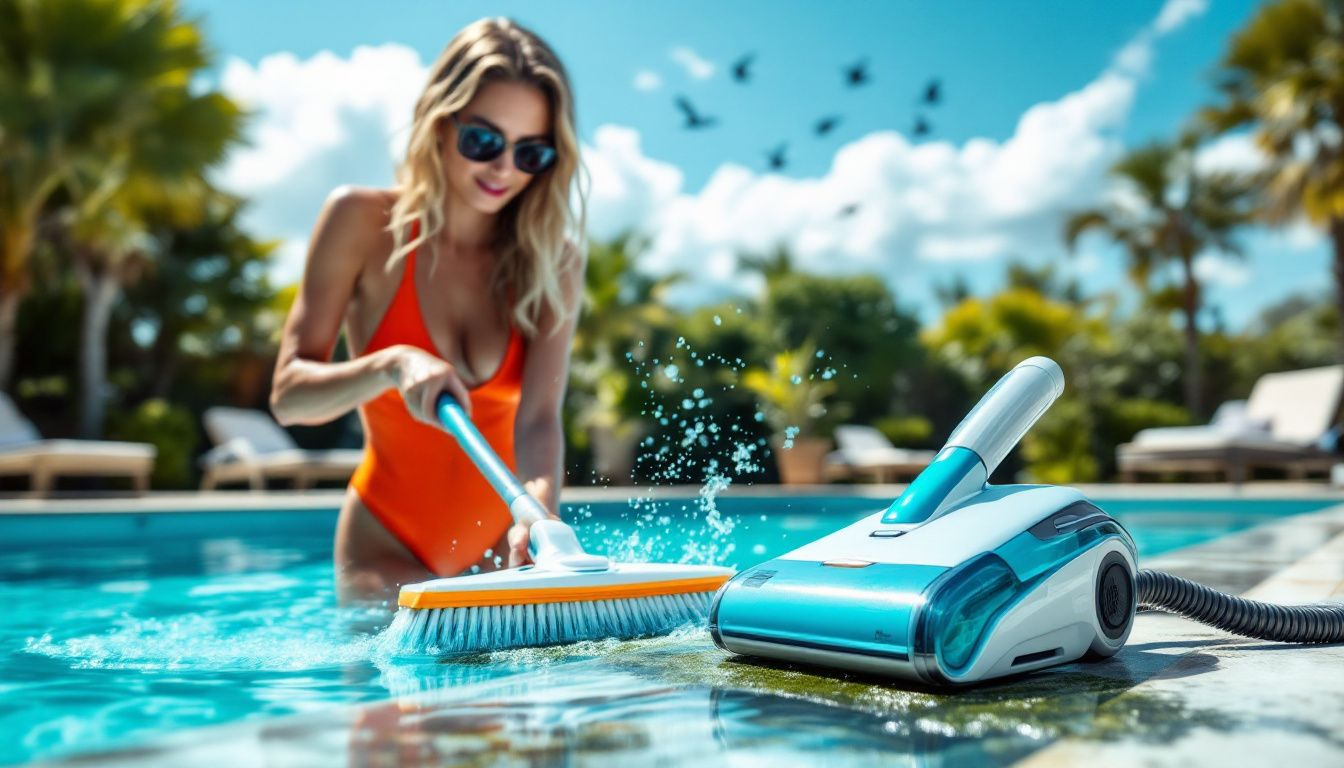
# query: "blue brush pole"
[[549, 540]]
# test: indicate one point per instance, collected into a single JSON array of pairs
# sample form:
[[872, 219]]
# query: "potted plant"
[[792, 398]]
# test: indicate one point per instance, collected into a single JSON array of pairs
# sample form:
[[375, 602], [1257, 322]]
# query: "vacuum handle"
[[525, 509], [1008, 410]]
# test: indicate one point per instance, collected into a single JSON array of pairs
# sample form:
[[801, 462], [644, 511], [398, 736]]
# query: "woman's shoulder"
[[361, 207], [358, 218]]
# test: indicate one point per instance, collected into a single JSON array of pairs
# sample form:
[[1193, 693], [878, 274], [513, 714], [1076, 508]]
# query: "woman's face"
[[519, 112]]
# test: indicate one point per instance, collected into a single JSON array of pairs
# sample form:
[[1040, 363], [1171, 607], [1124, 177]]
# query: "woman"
[[460, 279]]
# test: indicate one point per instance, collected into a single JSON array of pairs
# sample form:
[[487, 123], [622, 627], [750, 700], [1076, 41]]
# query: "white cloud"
[[327, 121], [978, 248], [646, 80], [1302, 235], [628, 189], [1232, 153], [317, 124], [1134, 57], [695, 66], [1176, 13], [1220, 270], [916, 203], [920, 206]]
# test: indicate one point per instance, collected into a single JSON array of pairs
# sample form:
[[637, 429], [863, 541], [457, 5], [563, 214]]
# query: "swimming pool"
[[121, 628]]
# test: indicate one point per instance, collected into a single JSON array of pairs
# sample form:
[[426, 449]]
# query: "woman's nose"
[[502, 165]]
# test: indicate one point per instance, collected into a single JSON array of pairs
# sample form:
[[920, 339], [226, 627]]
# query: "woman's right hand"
[[420, 377]]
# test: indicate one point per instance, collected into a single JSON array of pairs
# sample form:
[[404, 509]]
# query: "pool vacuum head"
[[960, 581], [957, 581]]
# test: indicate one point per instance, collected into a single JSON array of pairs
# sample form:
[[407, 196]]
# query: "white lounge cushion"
[[880, 457], [14, 428], [251, 446], [864, 446], [1290, 410], [1205, 438], [22, 449], [257, 429], [1300, 406], [93, 448]]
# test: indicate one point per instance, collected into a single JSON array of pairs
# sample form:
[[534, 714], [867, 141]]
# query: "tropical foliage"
[[1167, 213], [111, 226], [1283, 77]]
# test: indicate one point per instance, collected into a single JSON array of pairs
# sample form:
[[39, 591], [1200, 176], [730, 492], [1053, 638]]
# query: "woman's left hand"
[[518, 554], [518, 533]]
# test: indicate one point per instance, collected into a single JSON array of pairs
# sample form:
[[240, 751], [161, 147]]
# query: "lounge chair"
[[864, 451], [251, 447], [24, 452], [1286, 424]]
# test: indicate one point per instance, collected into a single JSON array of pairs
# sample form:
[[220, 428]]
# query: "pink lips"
[[487, 190]]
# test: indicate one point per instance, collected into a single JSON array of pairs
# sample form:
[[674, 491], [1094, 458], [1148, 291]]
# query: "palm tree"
[[157, 176], [1283, 74], [78, 80], [1170, 213]]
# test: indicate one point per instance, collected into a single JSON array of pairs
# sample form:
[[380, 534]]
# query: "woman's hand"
[[420, 377], [518, 536], [518, 540]]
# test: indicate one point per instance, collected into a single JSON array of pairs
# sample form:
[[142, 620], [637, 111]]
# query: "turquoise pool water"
[[122, 628]]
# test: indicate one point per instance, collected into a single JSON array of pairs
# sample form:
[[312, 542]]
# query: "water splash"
[[299, 636], [700, 435]]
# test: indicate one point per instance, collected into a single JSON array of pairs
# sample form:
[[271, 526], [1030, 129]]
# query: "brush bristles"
[[494, 628]]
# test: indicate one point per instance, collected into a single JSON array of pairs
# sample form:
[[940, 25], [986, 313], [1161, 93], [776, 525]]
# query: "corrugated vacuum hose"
[[1316, 623]]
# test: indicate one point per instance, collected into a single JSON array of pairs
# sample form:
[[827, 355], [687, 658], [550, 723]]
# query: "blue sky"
[[997, 62]]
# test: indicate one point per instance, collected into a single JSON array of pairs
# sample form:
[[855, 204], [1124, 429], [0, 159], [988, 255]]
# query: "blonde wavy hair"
[[539, 233]]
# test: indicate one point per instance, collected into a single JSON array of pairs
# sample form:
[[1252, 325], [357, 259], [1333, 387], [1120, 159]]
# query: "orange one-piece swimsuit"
[[415, 478]]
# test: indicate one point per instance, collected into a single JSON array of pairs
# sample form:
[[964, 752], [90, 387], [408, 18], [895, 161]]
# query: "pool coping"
[[326, 500]]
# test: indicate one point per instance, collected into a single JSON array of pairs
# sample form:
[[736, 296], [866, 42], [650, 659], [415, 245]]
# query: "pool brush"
[[565, 595]]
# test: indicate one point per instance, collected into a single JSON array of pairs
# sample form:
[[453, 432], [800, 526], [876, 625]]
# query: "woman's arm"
[[307, 388], [539, 444]]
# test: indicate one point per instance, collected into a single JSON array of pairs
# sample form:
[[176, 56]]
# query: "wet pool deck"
[[1179, 693]]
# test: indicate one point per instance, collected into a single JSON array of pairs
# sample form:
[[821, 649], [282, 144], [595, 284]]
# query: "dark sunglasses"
[[481, 144]]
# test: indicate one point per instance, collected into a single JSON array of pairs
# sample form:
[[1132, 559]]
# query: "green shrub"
[[1128, 416], [905, 431], [1058, 450], [171, 428]]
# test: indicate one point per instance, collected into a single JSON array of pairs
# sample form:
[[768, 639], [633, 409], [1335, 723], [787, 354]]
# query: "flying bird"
[[847, 211], [857, 73], [826, 124], [776, 157], [922, 127], [693, 118], [742, 69], [933, 92]]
